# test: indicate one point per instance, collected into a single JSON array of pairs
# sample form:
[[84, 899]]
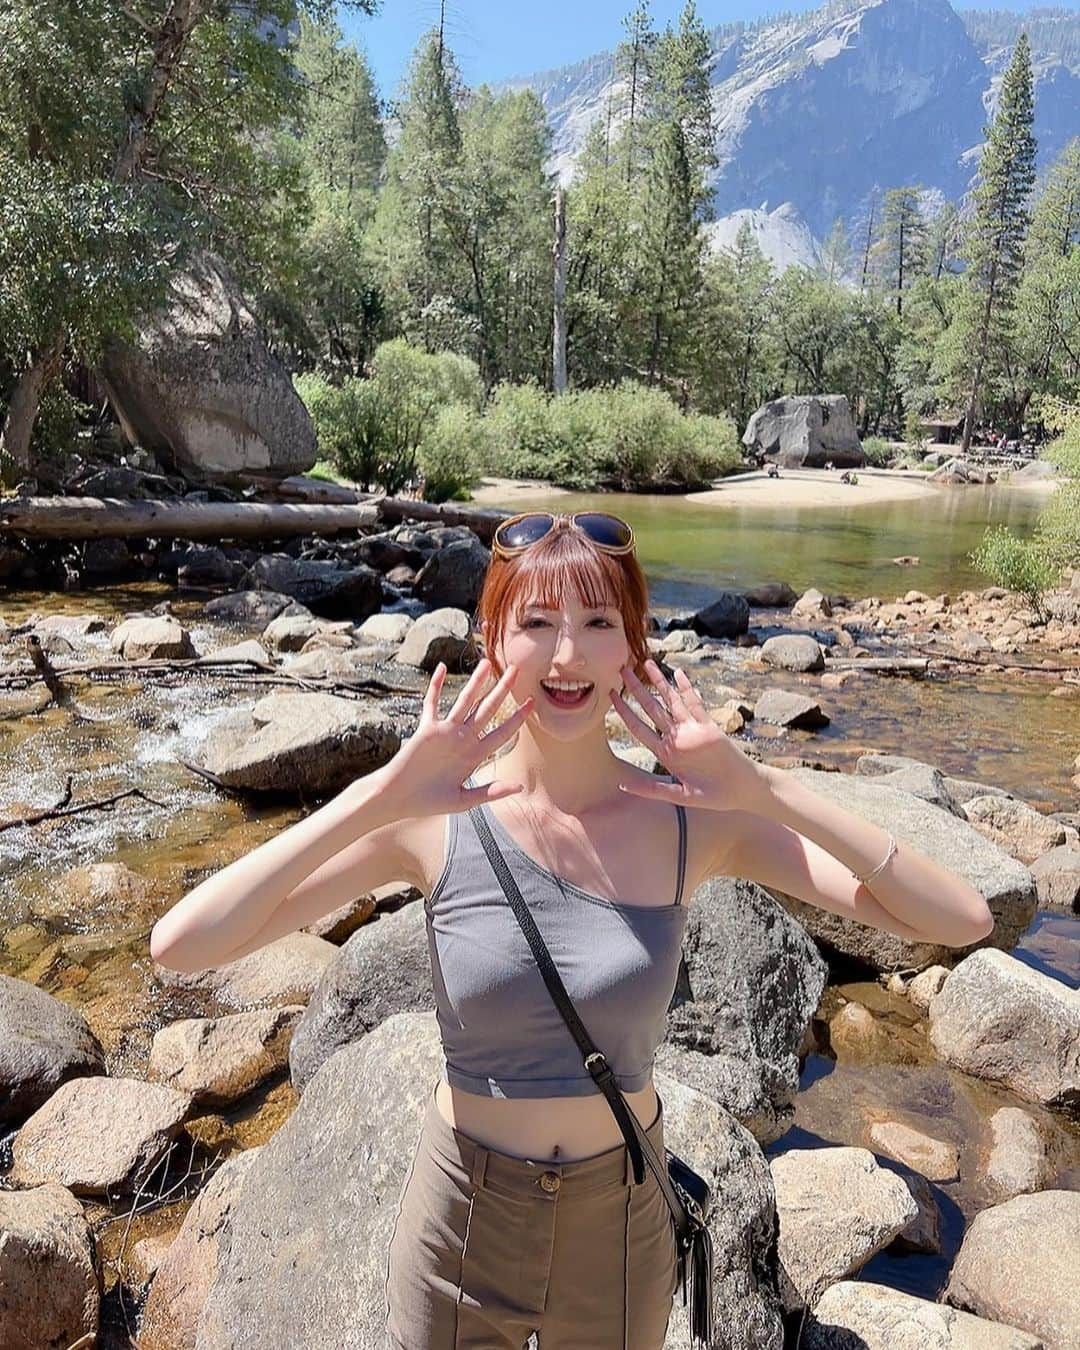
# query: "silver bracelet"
[[870, 875]]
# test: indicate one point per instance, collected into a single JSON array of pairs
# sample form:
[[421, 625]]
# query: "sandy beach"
[[794, 487]]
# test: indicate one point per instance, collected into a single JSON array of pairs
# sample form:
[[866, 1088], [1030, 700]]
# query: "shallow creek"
[[124, 734]]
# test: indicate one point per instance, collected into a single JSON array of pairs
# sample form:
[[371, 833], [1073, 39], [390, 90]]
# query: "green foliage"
[[1018, 564], [451, 452], [878, 452], [372, 428]]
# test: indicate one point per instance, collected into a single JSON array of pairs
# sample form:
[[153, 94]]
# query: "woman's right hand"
[[425, 776]]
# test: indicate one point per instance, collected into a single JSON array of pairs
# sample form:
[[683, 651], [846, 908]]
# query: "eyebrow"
[[541, 609]]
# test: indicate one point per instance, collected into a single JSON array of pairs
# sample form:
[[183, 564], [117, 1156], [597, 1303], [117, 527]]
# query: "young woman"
[[519, 1212]]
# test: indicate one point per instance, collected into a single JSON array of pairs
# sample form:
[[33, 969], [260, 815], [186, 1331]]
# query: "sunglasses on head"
[[607, 532]]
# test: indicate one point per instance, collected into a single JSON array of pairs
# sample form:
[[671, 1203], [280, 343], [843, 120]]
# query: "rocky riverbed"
[[215, 1160]]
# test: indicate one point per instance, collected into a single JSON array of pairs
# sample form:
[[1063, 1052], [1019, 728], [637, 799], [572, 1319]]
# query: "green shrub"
[[878, 452], [1018, 564], [647, 441], [451, 452], [371, 429]]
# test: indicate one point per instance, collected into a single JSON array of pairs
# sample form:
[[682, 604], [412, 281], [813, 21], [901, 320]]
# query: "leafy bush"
[[371, 429], [451, 452], [647, 441], [878, 452], [1018, 564]]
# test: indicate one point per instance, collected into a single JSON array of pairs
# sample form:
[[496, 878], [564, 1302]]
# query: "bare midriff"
[[542, 1129]]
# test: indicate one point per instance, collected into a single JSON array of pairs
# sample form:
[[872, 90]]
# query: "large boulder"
[[858, 1315], [805, 430], [283, 972], [452, 577], [50, 1296], [327, 588], [384, 968], [999, 1019], [1018, 1263], [750, 983], [837, 1208], [201, 389], [218, 1060], [1006, 885], [302, 1256], [43, 1044], [298, 743]]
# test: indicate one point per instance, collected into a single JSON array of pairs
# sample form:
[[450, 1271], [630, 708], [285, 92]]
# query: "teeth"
[[566, 684]]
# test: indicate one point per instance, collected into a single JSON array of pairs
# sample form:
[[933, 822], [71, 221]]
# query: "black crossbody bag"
[[687, 1194]]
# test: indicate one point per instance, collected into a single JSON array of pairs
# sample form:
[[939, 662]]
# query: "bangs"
[[567, 566]]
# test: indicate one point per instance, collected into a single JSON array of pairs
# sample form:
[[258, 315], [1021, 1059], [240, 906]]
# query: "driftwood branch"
[[113, 518], [45, 670], [944, 655], [61, 809]]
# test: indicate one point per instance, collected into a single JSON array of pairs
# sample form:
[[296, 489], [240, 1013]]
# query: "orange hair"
[[565, 560]]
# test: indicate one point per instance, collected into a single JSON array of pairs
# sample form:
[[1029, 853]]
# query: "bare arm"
[[242, 907]]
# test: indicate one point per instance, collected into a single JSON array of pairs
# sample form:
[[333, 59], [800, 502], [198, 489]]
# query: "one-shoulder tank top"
[[502, 1034]]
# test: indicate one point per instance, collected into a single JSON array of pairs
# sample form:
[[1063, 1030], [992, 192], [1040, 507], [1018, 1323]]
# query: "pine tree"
[[899, 254], [834, 262], [633, 61], [995, 240]]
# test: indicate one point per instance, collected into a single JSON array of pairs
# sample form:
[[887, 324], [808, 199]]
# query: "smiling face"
[[567, 659]]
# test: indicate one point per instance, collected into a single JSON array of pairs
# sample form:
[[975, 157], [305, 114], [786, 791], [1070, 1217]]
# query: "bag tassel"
[[700, 1284]]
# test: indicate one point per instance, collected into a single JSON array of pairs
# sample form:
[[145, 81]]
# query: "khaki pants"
[[487, 1248]]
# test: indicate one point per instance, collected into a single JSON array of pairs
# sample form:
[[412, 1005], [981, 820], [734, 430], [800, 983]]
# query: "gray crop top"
[[502, 1035]]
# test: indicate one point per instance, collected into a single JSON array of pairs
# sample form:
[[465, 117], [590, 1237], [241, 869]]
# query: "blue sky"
[[494, 39]]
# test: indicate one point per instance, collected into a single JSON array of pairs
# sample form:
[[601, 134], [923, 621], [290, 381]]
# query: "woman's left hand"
[[710, 770]]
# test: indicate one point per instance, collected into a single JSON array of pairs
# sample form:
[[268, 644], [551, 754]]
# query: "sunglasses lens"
[[527, 530], [608, 531]]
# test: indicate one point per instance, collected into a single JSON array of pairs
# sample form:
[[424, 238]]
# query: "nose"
[[567, 652]]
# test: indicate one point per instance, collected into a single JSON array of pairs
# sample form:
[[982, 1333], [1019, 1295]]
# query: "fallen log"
[[113, 518], [881, 665], [482, 520]]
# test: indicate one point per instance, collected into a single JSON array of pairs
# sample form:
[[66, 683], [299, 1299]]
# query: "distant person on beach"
[[525, 1205]]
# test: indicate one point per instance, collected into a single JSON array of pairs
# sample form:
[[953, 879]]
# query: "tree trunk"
[[22, 410], [558, 346], [171, 39]]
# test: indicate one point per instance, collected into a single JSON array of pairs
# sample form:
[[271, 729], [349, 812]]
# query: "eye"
[[604, 622], [532, 623]]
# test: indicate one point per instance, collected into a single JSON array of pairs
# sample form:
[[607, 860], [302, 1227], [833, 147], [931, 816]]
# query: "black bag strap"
[[637, 1141]]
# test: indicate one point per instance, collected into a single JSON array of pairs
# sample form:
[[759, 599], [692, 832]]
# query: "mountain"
[[818, 113]]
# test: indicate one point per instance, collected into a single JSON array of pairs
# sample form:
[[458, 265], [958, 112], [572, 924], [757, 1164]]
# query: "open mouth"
[[566, 693]]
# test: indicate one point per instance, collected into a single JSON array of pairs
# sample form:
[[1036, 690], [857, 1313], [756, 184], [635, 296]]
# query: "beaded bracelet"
[[870, 875]]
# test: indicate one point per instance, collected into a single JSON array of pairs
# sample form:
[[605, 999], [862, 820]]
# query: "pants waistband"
[[522, 1176]]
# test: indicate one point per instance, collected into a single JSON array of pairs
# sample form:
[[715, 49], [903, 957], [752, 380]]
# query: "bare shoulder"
[[709, 836]]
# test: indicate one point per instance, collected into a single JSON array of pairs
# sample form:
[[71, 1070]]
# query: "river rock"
[[218, 1060], [326, 588], [338, 925], [677, 640], [388, 550], [785, 708], [837, 1208], [248, 650], [452, 577], [249, 607], [804, 430], [205, 565], [299, 743], [43, 1044], [1016, 828], [770, 595], [200, 388], [923, 1232], [726, 617], [1017, 1264], [1016, 1161], [1057, 877], [854, 1035], [999, 1019], [288, 633], [385, 627], [187, 1270], [925, 986], [1006, 885], [99, 895], [925, 782], [443, 635], [326, 663], [71, 626], [812, 604], [98, 1136], [155, 639], [748, 986], [284, 971], [384, 968], [794, 651], [50, 1295], [363, 1110], [858, 1315], [935, 1159]]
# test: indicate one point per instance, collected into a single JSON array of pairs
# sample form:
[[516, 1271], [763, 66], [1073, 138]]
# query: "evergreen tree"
[[736, 361], [633, 64], [995, 238], [900, 251], [835, 260]]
